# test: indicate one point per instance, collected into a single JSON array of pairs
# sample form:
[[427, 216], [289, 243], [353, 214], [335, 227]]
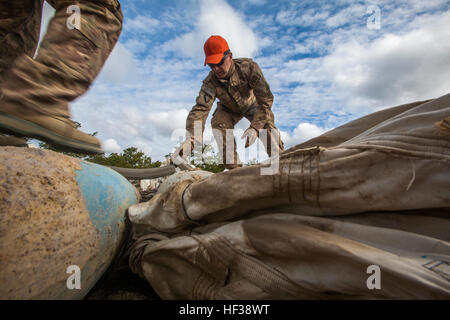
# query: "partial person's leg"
[[6, 140], [274, 145], [270, 137], [37, 92], [223, 122], [20, 24]]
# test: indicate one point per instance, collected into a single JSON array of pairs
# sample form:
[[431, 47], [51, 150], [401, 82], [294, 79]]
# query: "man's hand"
[[180, 156], [251, 135]]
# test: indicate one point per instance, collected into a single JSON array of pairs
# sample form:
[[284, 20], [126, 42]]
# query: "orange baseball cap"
[[214, 49]]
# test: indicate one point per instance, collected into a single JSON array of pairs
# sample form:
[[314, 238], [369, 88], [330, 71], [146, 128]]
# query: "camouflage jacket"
[[245, 89]]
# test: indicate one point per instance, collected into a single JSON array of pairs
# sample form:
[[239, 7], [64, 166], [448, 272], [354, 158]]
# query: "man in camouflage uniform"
[[35, 92], [242, 90]]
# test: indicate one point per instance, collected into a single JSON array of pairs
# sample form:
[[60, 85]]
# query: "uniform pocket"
[[90, 31]]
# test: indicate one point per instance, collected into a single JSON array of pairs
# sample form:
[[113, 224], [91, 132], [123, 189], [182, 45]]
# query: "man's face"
[[221, 69]]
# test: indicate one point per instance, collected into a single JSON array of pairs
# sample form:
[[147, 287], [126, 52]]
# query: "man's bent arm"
[[201, 109], [264, 96]]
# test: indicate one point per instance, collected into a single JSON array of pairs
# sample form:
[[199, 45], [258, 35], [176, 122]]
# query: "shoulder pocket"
[[254, 80], [209, 91]]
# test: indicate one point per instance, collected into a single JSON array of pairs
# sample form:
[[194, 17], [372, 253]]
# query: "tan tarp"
[[362, 213]]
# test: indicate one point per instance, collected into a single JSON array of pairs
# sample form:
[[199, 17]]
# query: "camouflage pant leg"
[[273, 140], [270, 137], [68, 60], [20, 23], [223, 122]]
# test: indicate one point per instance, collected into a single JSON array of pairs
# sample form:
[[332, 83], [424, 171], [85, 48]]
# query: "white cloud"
[[306, 131], [141, 24], [146, 147], [301, 18], [167, 122], [395, 68], [355, 71], [217, 17], [418, 5], [110, 146], [302, 133], [350, 14], [136, 46], [121, 66]]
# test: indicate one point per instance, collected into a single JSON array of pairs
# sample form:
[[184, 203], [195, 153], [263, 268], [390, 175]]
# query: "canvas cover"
[[361, 212]]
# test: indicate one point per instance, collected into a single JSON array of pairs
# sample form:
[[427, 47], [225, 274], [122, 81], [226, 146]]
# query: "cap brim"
[[214, 58]]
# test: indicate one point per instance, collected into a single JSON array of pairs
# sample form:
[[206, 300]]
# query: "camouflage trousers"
[[223, 120], [68, 59]]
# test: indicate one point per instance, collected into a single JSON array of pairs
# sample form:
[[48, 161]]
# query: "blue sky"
[[327, 63]]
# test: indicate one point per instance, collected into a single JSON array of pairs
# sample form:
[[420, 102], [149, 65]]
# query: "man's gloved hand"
[[180, 156], [251, 135]]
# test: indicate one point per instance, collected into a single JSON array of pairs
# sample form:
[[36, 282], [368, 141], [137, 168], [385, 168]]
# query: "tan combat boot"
[[60, 132], [12, 141]]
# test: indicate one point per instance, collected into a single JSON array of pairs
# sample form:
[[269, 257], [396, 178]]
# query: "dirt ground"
[[120, 283]]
